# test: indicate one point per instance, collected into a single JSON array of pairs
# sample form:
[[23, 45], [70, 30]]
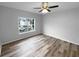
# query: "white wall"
[[63, 25], [9, 24], [0, 31]]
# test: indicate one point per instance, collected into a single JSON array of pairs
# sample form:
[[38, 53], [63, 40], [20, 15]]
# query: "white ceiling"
[[28, 6]]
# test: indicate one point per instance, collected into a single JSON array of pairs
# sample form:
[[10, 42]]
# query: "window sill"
[[27, 32]]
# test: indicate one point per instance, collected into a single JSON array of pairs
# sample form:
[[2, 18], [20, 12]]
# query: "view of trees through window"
[[26, 24]]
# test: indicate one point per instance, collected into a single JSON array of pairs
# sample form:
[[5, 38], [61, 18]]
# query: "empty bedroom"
[[39, 29]]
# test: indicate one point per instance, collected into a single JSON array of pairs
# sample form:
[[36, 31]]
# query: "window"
[[26, 24]]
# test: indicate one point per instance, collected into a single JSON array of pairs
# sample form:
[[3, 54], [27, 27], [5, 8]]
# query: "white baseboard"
[[60, 38], [18, 39], [48, 35], [0, 50]]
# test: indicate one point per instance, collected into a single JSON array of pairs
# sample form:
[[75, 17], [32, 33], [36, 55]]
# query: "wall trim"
[[60, 38], [0, 50], [40, 34], [19, 39]]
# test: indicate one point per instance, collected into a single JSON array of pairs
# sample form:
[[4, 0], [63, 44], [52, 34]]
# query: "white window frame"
[[27, 31]]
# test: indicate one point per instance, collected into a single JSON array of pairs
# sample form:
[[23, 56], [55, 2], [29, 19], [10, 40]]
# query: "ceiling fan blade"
[[40, 11], [49, 10], [37, 8], [53, 6]]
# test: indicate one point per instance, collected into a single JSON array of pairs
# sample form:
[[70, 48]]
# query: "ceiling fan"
[[45, 8]]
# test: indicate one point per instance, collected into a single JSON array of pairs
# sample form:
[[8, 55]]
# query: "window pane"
[[26, 24]]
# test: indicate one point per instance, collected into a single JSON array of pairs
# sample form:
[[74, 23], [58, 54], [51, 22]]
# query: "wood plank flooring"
[[40, 46]]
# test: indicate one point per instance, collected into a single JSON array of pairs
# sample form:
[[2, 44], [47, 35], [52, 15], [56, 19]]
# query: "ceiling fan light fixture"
[[44, 11], [45, 8]]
